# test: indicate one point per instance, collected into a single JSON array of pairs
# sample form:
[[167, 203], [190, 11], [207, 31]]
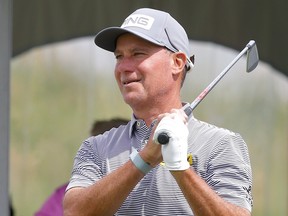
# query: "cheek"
[[159, 80], [117, 78], [161, 72]]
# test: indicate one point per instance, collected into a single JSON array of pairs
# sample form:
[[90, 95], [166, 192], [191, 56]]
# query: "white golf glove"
[[175, 151]]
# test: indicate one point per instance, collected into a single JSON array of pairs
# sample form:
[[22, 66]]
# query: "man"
[[126, 171]]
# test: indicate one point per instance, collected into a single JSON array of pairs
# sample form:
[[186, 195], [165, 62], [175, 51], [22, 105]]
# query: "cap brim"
[[107, 38]]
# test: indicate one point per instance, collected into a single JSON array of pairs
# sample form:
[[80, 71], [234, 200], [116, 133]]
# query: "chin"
[[132, 101]]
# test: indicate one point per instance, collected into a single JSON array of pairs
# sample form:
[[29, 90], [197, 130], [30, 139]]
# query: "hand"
[[175, 151]]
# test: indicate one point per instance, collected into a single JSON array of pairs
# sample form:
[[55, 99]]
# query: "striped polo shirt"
[[220, 157]]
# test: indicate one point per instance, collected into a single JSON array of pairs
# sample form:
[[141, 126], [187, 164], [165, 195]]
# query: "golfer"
[[203, 170]]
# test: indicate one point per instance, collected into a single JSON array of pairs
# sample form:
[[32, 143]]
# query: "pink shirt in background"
[[53, 205]]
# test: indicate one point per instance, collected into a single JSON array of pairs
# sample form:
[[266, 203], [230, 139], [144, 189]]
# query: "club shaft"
[[188, 110]]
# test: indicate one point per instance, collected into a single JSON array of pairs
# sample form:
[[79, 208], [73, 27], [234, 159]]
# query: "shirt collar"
[[135, 122]]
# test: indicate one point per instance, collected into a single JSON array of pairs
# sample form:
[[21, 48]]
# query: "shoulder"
[[110, 140], [107, 135], [197, 127], [112, 134], [208, 136]]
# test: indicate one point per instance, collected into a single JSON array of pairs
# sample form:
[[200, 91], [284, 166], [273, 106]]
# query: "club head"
[[252, 56]]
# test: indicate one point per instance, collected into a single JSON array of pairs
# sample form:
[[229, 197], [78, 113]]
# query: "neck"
[[151, 111]]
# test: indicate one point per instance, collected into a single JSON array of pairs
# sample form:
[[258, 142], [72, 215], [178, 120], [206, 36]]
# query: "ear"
[[179, 62]]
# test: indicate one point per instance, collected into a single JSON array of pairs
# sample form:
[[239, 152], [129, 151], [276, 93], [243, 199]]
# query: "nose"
[[125, 64]]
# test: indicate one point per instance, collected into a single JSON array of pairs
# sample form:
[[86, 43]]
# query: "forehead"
[[130, 40]]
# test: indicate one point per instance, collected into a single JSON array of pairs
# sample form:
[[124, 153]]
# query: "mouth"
[[127, 82]]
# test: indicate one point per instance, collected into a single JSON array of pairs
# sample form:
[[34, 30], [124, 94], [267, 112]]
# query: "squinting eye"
[[118, 56], [138, 53]]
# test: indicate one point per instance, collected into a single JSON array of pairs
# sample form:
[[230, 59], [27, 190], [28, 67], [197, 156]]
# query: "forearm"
[[202, 199], [105, 196]]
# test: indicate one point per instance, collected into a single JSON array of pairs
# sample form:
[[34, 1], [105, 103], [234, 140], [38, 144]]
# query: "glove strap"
[[140, 163]]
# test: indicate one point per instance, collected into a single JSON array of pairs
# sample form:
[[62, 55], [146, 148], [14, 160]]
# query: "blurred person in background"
[[53, 205]]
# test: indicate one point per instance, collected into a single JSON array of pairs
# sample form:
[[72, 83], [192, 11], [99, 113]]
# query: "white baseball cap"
[[155, 26]]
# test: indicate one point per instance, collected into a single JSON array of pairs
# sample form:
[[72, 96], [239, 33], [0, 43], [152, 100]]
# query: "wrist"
[[139, 163], [177, 166]]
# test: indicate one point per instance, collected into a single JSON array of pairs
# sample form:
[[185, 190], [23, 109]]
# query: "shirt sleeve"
[[86, 168], [229, 171]]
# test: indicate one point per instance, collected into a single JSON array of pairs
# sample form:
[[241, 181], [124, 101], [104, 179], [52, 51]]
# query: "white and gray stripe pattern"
[[220, 157]]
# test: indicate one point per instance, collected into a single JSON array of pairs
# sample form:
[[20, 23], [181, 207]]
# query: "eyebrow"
[[135, 49]]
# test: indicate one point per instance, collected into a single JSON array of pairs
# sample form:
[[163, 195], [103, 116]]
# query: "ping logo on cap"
[[138, 20]]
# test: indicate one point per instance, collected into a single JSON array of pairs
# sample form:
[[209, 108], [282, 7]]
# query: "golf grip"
[[163, 138]]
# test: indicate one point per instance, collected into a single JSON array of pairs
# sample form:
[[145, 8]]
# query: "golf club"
[[251, 63]]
